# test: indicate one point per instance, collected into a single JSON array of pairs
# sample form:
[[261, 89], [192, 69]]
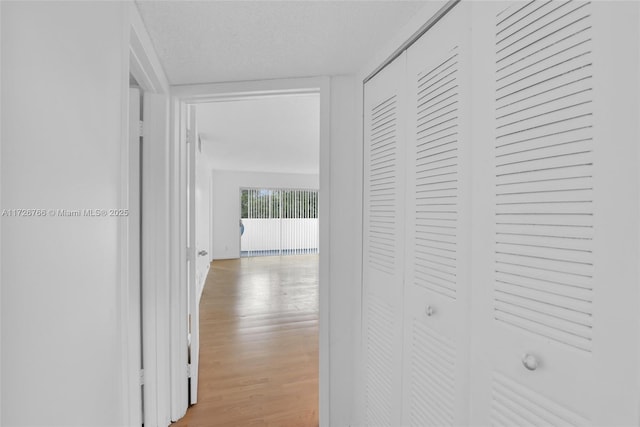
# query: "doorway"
[[221, 94]]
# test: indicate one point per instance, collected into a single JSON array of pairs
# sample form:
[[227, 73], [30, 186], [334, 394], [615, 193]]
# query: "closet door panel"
[[543, 138], [383, 243], [437, 219], [549, 325]]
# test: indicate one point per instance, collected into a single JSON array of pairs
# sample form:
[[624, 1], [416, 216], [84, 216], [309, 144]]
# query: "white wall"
[[203, 221], [343, 256], [63, 82], [226, 203]]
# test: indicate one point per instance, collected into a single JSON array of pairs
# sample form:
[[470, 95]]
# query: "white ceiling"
[[222, 41], [267, 134]]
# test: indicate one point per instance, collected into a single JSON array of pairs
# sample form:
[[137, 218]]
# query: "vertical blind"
[[278, 222]]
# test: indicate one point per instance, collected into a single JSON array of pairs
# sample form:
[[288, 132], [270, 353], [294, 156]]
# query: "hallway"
[[258, 344]]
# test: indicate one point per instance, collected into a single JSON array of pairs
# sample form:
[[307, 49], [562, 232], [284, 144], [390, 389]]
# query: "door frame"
[[181, 97], [140, 61]]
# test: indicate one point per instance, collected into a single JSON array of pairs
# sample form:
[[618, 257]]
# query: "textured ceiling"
[[222, 41], [267, 134]]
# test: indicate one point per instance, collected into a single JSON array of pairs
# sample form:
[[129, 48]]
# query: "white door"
[[384, 243], [556, 303], [194, 310], [135, 278], [203, 215], [438, 214]]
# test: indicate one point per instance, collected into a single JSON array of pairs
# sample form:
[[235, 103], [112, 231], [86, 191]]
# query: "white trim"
[[131, 406], [155, 260], [178, 256], [414, 37], [144, 64], [140, 60], [0, 221], [358, 366], [210, 92], [191, 233], [425, 14], [194, 94], [324, 197], [134, 266]]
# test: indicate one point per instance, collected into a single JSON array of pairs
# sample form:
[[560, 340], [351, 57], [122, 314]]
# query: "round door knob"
[[429, 311], [530, 362]]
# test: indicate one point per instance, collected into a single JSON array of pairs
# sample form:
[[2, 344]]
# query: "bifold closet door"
[[383, 243], [436, 336], [555, 261]]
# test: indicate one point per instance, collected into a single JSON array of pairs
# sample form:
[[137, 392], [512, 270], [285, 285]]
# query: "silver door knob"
[[202, 253], [429, 311], [530, 362]]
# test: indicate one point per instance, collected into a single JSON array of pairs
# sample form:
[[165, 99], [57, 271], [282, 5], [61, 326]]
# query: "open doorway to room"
[[257, 168], [267, 146]]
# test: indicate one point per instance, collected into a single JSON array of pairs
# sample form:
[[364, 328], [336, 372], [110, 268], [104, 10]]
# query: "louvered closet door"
[[561, 325], [438, 214], [383, 243]]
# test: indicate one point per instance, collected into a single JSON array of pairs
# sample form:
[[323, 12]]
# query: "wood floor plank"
[[258, 344]]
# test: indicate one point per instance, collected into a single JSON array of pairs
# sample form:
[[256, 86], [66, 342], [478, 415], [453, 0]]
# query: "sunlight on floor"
[[259, 344]]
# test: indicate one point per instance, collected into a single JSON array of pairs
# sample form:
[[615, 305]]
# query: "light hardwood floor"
[[258, 344]]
